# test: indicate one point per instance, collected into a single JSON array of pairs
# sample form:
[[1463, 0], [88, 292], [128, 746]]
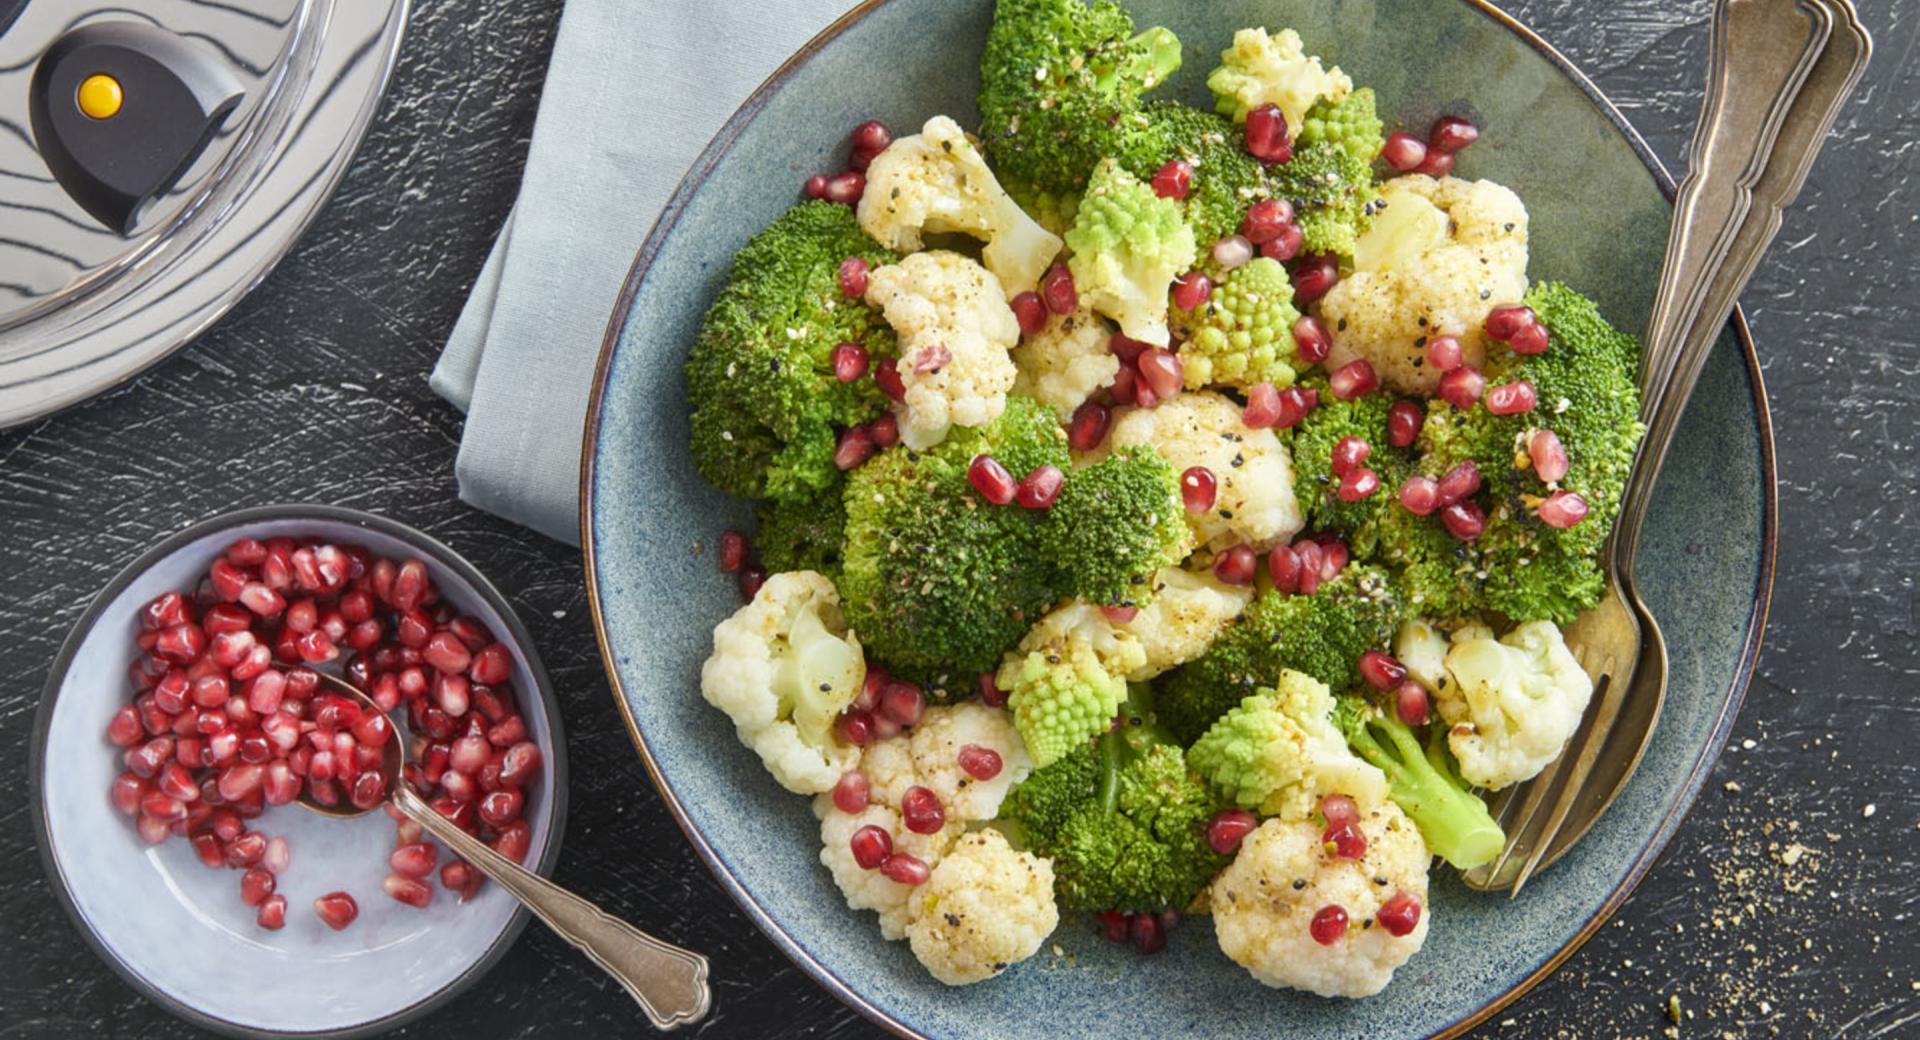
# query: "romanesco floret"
[[1128, 244], [983, 909], [1066, 362], [1185, 611], [1353, 123], [1273, 70], [937, 181], [1333, 194], [1424, 782], [1243, 333], [766, 408], [955, 332], [1440, 255], [1060, 87], [803, 534], [1265, 901], [1513, 701], [1067, 680], [1279, 751], [782, 668], [1116, 522]]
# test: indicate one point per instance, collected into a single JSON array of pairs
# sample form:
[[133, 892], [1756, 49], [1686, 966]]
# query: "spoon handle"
[[669, 983]]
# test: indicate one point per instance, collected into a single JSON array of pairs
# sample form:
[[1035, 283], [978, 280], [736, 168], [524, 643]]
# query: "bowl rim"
[[716, 149], [56, 676]]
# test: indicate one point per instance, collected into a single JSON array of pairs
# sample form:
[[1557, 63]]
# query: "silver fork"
[[1774, 79]]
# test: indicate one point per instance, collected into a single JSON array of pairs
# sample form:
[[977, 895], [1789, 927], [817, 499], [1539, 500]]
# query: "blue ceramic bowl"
[[1600, 214], [177, 931]]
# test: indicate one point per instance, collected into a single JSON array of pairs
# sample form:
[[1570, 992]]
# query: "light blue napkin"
[[634, 91]]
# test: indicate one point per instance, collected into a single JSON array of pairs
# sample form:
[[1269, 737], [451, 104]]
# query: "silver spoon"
[[669, 983]]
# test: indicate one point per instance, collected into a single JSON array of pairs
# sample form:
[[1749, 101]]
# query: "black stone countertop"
[[1785, 906]]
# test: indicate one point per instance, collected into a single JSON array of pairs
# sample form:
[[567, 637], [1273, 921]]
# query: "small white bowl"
[[176, 930]]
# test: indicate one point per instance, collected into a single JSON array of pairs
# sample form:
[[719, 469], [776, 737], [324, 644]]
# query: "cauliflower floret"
[[936, 744], [985, 907], [1422, 649], [1512, 702], [1255, 502], [870, 889], [1273, 70], [1065, 363], [1265, 901], [1187, 610], [937, 181], [783, 668], [1440, 256], [955, 332]]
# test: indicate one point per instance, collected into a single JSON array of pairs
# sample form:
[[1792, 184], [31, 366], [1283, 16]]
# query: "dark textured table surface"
[[1785, 906]]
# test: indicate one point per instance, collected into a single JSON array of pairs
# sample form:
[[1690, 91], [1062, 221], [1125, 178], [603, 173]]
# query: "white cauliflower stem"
[[985, 907], [1265, 901], [1512, 702], [1441, 254], [1273, 70], [1065, 363], [783, 667], [937, 181], [955, 332]]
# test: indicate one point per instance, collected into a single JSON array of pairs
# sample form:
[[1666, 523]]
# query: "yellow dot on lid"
[[99, 96]]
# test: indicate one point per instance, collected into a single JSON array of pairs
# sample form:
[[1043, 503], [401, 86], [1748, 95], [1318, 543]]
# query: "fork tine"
[[1612, 694], [1522, 804]]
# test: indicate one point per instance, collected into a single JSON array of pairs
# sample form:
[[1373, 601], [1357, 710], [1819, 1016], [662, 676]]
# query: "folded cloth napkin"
[[634, 91]]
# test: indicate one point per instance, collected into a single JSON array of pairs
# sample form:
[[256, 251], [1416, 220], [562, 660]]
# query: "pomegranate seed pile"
[[229, 716]]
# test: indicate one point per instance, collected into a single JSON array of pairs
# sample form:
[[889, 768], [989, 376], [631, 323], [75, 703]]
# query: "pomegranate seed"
[[227, 825], [1040, 488], [1460, 481], [1162, 370], [207, 849], [1451, 133], [751, 578], [146, 760], [273, 913], [520, 765], [147, 670], [278, 784], [1286, 245], [1530, 339], [410, 585], [246, 849], [1147, 934], [1461, 387], [1310, 339], [1173, 180], [1237, 565], [372, 730], [369, 789], [981, 763], [871, 846], [126, 793], [414, 859], [1465, 520], [921, 810], [1283, 566], [1399, 915], [991, 479], [887, 376], [256, 661], [227, 649], [1410, 703], [411, 891], [853, 282], [277, 857], [1115, 924], [164, 611], [1328, 925], [1295, 403], [849, 362], [1121, 390], [1436, 165], [1316, 273], [175, 782], [851, 791], [1403, 152], [1198, 490], [990, 692], [1313, 558], [502, 807], [1358, 484], [1228, 828], [1030, 311], [1344, 841], [337, 909], [1563, 509], [211, 691], [1404, 421], [869, 696], [316, 648], [1511, 398], [1264, 220], [1420, 495], [152, 831], [124, 730], [1263, 407], [1381, 671], [1126, 348], [1353, 379], [902, 703], [846, 188], [1089, 426], [885, 431], [459, 876], [1056, 288], [1503, 322], [1232, 251], [445, 652], [255, 886], [1190, 290], [262, 600], [240, 780], [469, 753], [1548, 455], [227, 580], [1348, 453], [905, 869], [1267, 135], [413, 629], [871, 136], [857, 728], [1338, 809], [181, 643]]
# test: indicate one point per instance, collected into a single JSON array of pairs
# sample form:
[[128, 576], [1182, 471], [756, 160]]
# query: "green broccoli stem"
[[1424, 783], [1152, 57]]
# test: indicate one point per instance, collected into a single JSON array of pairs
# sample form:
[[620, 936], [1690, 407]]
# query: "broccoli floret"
[[1243, 334], [1322, 635], [1226, 180], [766, 405], [1128, 246], [1123, 819], [1053, 210], [1116, 523], [1423, 782], [1067, 680], [1314, 485], [938, 582], [1060, 88], [1333, 195], [803, 534], [1352, 123], [1278, 751]]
